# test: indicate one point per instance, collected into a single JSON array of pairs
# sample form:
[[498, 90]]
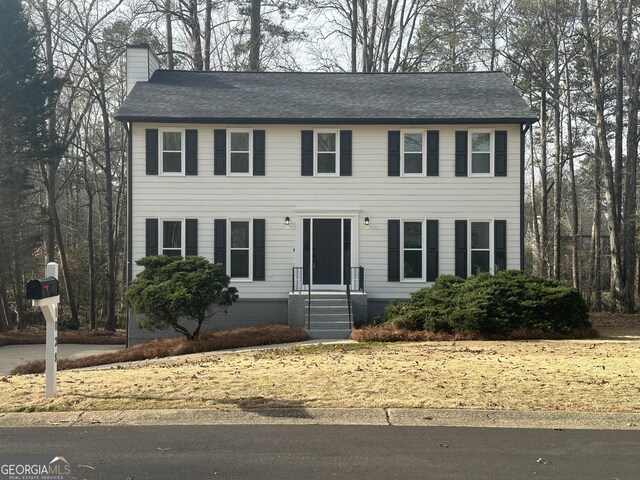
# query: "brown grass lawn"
[[572, 375]]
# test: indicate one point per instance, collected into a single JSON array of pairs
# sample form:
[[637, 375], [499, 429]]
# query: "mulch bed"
[[34, 336], [608, 319]]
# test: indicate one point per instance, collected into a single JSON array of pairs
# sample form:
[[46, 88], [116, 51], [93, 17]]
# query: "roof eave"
[[325, 121]]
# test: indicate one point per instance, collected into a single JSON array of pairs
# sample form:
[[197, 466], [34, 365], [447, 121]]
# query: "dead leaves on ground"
[[541, 375]]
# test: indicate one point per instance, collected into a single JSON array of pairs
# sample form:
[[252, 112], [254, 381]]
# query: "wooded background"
[[63, 156]]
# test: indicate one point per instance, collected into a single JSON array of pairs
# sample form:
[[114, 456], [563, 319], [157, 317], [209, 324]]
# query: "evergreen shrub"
[[492, 305]]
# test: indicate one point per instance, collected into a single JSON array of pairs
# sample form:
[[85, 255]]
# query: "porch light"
[[367, 222], [287, 221]]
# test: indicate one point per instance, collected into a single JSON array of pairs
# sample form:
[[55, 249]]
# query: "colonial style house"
[[324, 195]]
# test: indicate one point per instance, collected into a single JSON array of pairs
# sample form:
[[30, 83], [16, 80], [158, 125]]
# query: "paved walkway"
[[12, 356]]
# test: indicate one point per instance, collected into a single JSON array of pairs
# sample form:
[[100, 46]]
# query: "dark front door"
[[327, 251]]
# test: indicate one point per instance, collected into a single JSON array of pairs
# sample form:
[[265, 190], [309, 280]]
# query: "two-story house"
[[302, 184]]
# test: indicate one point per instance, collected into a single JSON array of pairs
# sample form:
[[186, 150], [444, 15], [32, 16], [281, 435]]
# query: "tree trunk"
[[6, 322], [575, 214], [596, 233], [632, 77], [48, 170], [92, 267], [167, 18], [354, 36], [254, 52], [617, 283], [557, 184], [194, 33], [544, 188], [207, 34], [108, 178]]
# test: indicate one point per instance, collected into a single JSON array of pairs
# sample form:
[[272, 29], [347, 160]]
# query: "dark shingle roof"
[[279, 97]]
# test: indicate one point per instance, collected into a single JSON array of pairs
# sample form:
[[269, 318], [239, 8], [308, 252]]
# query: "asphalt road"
[[295, 452], [12, 356]]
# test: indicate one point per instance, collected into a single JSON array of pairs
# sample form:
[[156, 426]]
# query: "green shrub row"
[[492, 304]]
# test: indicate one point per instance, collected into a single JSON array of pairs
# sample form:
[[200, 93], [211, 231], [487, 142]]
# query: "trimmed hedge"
[[492, 304]]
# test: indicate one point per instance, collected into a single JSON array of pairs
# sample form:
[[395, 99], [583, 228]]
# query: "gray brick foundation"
[[243, 313]]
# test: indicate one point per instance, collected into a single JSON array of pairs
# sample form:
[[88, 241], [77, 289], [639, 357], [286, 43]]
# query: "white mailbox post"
[[44, 294]]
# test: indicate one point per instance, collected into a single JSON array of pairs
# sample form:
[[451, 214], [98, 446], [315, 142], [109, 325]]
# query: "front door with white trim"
[[326, 251]]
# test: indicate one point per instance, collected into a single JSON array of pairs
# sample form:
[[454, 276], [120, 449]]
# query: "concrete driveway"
[[12, 356]]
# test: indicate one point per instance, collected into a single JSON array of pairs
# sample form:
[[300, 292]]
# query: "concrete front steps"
[[329, 316]]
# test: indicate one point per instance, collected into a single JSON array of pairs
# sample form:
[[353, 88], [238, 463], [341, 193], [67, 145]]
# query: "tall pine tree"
[[24, 94]]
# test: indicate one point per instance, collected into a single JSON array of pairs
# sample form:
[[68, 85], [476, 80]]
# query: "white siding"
[[369, 192], [141, 63]]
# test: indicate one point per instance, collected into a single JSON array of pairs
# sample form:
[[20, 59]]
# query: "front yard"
[[571, 375]]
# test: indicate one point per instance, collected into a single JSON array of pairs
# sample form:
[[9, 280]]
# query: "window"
[[480, 247], [412, 250], [240, 250], [240, 152], [412, 153], [481, 154], [171, 148], [172, 238], [326, 153]]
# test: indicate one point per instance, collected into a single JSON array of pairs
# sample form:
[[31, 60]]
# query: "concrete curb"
[[330, 416]]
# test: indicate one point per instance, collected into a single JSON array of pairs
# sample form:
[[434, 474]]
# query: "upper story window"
[[327, 153], [171, 148], [412, 153], [480, 152], [480, 247], [412, 250], [240, 158], [172, 238]]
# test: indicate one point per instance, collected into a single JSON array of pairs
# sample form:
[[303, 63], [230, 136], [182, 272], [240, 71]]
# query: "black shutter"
[[151, 244], [346, 249], [191, 242], [258, 249], [461, 154], [220, 242], [393, 269], [220, 152], [306, 251], [500, 244], [432, 250], [461, 248], [307, 153], [191, 156], [500, 153], [151, 139], [433, 153], [345, 153], [258, 152], [394, 153]]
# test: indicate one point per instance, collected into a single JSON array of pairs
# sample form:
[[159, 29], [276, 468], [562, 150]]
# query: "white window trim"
[[161, 234], [424, 153], [315, 153], [491, 244], [228, 253], [161, 171], [423, 222], [239, 174], [490, 131]]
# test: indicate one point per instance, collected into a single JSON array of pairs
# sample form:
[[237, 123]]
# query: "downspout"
[[524, 128], [129, 215]]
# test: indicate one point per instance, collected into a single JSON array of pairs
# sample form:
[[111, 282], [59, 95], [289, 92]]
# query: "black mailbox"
[[42, 288]]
